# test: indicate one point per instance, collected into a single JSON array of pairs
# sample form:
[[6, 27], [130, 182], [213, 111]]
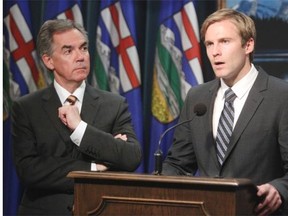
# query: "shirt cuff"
[[93, 167], [78, 133]]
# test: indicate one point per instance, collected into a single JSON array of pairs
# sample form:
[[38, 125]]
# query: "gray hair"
[[49, 28]]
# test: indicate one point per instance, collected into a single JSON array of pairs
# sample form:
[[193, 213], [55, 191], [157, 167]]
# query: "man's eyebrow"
[[207, 41], [84, 44], [66, 47], [70, 46]]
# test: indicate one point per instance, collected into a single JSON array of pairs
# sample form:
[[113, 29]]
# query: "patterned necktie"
[[225, 126], [71, 99]]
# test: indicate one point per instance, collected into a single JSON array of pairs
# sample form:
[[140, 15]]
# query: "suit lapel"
[[252, 103], [51, 103], [204, 128], [212, 148], [90, 106]]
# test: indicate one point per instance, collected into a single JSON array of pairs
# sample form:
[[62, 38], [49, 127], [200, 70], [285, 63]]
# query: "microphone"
[[199, 110]]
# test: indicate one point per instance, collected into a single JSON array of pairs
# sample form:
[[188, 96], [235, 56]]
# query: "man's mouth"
[[218, 63], [80, 68]]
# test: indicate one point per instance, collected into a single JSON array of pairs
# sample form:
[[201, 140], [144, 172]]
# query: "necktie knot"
[[71, 99], [230, 96]]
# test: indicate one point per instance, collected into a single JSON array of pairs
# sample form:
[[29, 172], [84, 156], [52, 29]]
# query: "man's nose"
[[80, 54], [216, 50]]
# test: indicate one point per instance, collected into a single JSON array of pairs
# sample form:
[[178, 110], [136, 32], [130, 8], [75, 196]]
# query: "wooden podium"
[[110, 193]]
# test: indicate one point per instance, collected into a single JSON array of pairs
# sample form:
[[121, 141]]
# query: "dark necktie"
[[225, 126], [71, 99]]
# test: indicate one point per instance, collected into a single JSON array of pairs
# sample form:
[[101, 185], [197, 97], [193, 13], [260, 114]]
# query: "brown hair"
[[244, 24]]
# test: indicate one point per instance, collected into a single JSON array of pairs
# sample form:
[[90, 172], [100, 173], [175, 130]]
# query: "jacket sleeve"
[[35, 165], [99, 143], [281, 184]]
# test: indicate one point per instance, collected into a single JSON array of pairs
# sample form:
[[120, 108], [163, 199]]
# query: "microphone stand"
[[199, 110]]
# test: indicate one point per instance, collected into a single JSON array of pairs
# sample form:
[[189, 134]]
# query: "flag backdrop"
[[22, 67], [177, 67], [117, 66], [64, 9], [20, 42], [128, 38]]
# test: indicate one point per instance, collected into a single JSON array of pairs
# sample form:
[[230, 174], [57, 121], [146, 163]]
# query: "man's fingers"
[[101, 167], [121, 136]]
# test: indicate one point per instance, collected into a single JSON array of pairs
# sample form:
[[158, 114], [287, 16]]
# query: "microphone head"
[[200, 109]]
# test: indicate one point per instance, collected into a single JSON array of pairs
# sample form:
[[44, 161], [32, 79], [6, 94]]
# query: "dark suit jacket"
[[44, 154], [259, 143]]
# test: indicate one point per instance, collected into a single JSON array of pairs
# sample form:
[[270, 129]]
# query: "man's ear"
[[250, 45], [48, 61]]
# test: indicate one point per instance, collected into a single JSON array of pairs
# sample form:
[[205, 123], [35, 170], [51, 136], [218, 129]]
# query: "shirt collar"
[[242, 86]]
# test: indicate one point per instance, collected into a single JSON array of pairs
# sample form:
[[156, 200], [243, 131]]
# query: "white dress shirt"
[[79, 131]]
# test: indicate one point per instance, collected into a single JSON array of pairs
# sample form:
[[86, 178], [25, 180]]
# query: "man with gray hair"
[[67, 126]]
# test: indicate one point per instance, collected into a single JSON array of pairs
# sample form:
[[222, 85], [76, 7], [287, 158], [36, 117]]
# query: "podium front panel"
[[111, 193]]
